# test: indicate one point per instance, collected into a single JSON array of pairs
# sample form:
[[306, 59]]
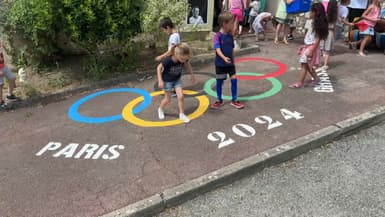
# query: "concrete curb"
[[197, 61], [186, 191]]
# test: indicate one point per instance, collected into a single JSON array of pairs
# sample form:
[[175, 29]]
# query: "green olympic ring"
[[277, 86]]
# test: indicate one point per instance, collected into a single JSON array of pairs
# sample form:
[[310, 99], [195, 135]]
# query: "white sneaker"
[[160, 114], [184, 118]]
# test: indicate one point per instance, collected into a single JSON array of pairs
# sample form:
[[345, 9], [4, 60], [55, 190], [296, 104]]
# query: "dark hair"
[[225, 17], [320, 22], [345, 2], [332, 11], [166, 22]]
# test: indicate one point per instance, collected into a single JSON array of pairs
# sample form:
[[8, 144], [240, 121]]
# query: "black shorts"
[[222, 72]]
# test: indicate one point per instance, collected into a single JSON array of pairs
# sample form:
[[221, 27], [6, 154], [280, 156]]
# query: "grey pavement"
[[344, 178]]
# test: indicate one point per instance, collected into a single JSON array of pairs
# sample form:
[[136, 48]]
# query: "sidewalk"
[[55, 166]]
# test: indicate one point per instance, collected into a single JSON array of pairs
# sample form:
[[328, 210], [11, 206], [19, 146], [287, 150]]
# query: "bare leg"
[[166, 100], [367, 39], [304, 69], [179, 94], [277, 31], [312, 72], [235, 28], [326, 59], [11, 86], [285, 28]]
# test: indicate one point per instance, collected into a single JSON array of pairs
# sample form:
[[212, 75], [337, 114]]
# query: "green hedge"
[[34, 27]]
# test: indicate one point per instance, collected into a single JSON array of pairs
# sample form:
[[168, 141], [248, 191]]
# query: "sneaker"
[[217, 104], [290, 37], [237, 105], [184, 118], [12, 97], [160, 114]]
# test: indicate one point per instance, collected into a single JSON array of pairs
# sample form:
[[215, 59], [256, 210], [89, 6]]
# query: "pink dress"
[[365, 24]]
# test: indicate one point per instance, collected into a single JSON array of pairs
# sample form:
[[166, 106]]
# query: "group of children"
[[327, 21], [326, 24], [176, 59]]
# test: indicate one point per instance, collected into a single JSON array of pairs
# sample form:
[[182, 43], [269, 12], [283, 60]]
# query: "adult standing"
[[284, 20], [357, 8]]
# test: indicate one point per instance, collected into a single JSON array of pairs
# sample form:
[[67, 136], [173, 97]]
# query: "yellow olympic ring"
[[129, 116]]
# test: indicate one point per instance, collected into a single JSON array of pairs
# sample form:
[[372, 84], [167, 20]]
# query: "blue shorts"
[[170, 85], [7, 73], [369, 31]]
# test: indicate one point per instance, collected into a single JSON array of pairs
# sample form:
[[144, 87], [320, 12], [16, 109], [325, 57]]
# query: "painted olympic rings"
[[131, 109], [73, 111], [129, 116], [282, 68], [277, 86]]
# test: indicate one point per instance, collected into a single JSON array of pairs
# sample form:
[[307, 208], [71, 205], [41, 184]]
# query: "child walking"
[[366, 26], [169, 78], [310, 53], [237, 8], [327, 45], [284, 20], [343, 13], [224, 60], [5, 71], [174, 38]]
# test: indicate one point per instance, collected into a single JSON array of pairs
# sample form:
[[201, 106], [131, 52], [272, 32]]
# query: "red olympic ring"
[[282, 68]]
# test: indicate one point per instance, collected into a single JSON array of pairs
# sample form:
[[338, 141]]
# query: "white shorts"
[[7, 73]]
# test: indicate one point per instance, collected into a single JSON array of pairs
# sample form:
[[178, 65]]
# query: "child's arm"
[[189, 69], [159, 71], [365, 14], [346, 22], [221, 55], [164, 55]]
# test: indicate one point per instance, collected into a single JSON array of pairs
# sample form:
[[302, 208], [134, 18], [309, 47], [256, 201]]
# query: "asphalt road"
[[344, 178]]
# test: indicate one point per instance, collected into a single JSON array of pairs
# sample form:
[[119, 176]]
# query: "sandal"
[[296, 85]]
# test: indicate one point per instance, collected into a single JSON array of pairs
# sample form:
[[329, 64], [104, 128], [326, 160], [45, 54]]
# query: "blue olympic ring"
[[73, 111]]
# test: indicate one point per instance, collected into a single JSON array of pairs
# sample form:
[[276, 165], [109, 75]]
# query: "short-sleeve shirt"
[[255, 6], [174, 39], [310, 36], [226, 43], [342, 14], [172, 71]]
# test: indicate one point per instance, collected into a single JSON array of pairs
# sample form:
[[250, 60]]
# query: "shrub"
[[35, 26], [157, 9]]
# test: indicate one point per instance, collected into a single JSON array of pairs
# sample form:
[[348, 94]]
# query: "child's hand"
[[161, 84], [227, 60]]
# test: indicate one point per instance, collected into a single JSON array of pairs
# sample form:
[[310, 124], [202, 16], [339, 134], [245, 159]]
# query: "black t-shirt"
[[172, 70]]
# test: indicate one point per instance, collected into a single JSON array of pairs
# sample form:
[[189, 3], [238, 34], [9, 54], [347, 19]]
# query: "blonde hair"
[[182, 49], [224, 18]]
